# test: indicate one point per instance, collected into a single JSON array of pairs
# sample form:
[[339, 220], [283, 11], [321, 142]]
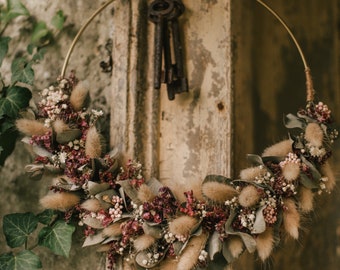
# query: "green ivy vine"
[[18, 228], [25, 231], [14, 91]]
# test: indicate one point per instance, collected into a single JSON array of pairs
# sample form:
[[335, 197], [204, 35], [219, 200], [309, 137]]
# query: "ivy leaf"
[[30, 48], [7, 144], [25, 260], [57, 238], [58, 20], [14, 9], [15, 99], [22, 71], [39, 55], [17, 227], [40, 34], [6, 123], [47, 216], [3, 47]]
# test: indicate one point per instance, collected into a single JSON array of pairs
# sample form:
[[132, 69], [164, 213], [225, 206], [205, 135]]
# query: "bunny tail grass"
[[78, 96], [143, 242], [60, 201], [218, 192], [279, 149], [31, 127], [291, 218], [265, 243], [190, 254], [182, 225], [93, 145]]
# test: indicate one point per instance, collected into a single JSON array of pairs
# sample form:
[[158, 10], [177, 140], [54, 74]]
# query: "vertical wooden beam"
[[195, 129]]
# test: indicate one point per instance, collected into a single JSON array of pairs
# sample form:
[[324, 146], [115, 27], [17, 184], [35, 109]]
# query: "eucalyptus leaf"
[[260, 223], [122, 195], [129, 190], [107, 194], [247, 239], [214, 245], [179, 247], [110, 239], [41, 151], [307, 182], [93, 240], [217, 178], [15, 99], [143, 255], [24, 260], [52, 169], [95, 188], [17, 227], [35, 171], [3, 47], [227, 252], [255, 159], [68, 135], [154, 185], [93, 222], [153, 230], [293, 121], [315, 173], [57, 238], [22, 71]]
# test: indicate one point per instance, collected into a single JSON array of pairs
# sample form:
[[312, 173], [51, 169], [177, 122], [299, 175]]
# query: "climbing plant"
[[15, 92]]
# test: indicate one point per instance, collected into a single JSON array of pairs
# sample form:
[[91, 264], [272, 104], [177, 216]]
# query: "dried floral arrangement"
[[139, 222]]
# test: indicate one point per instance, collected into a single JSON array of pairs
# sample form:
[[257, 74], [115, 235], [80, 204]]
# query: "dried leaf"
[[93, 222], [68, 135], [143, 256], [95, 188], [155, 230], [214, 245], [129, 190], [293, 121], [255, 160], [93, 240], [247, 239], [259, 224]]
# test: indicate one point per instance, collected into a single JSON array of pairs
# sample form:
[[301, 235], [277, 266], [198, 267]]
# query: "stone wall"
[[17, 192]]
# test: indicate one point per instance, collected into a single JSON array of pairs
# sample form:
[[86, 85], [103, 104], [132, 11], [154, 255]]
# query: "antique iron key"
[[165, 13], [158, 11]]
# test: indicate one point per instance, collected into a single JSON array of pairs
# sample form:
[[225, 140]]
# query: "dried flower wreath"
[[139, 222]]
